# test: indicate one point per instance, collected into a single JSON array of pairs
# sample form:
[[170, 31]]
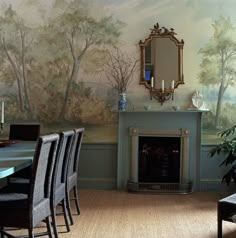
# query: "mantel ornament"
[[161, 63]]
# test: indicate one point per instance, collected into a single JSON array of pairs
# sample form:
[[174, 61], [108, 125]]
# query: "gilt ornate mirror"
[[161, 63]]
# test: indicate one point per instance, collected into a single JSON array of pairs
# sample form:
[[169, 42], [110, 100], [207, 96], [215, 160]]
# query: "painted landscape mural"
[[57, 58]]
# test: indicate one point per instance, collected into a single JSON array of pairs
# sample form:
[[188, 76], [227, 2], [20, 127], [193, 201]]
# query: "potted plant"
[[227, 147]]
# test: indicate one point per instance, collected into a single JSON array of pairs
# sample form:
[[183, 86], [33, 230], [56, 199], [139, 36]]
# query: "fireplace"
[[183, 127], [159, 161]]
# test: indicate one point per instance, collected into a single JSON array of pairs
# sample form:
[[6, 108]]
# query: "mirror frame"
[[157, 32]]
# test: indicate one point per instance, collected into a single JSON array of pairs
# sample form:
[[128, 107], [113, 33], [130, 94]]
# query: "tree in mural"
[[83, 32], [45, 60], [218, 61], [15, 44]]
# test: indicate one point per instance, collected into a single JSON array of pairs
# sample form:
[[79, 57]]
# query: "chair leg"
[[1, 229], [68, 206], [219, 221], [65, 215], [54, 223], [30, 232], [219, 224], [49, 227], [75, 189]]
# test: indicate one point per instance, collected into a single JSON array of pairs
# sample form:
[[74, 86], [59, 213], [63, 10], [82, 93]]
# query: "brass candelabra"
[[162, 95]]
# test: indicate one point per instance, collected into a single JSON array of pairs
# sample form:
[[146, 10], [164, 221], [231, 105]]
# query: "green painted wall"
[[98, 169]]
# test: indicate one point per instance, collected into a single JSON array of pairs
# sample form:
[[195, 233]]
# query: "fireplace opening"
[[159, 159]]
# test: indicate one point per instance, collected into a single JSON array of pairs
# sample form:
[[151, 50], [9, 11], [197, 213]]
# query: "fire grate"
[[160, 188]]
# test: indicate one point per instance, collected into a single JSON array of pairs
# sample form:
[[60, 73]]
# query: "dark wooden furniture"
[[226, 211], [25, 132]]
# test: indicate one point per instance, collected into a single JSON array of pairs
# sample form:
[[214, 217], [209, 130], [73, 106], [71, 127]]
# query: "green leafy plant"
[[227, 147]]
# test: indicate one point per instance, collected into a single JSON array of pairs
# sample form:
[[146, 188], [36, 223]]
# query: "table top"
[[15, 157]]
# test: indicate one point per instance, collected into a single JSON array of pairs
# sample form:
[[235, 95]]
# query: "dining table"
[[15, 155]]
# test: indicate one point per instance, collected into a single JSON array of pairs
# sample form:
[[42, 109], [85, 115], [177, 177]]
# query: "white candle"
[[162, 85], [172, 84], [2, 118], [151, 82]]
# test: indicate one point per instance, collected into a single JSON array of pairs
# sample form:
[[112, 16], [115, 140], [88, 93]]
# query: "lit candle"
[[172, 84], [162, 85], [2, 118], [151, 82]]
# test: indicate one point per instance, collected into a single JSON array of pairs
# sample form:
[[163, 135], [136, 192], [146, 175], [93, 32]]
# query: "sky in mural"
[[195, 15], [140, 15], [192, 20]]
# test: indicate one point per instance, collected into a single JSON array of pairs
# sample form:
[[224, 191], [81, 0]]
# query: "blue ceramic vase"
[[122, 102]]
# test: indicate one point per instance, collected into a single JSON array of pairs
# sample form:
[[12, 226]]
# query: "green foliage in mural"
[[44, 61], [218, 63], [87, 109]]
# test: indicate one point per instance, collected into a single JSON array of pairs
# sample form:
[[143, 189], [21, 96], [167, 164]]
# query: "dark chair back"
[[75, 152], [28, 210], [63, 156], [42, 170], [60, 178], [72, 175], [25, 132]]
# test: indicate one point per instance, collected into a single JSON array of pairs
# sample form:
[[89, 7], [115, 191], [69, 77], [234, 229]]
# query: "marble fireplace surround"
[[184, 185], [186, 124]]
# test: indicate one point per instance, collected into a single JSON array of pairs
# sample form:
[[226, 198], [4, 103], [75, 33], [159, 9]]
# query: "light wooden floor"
[[118, 214]]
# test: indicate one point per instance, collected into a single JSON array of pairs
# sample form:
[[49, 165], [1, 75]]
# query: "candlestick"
[[2, 118], [151, 82], [162, 85], [172, 84]]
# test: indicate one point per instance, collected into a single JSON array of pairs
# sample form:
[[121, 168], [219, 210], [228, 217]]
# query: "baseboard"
[[97, 183], [215, 185]]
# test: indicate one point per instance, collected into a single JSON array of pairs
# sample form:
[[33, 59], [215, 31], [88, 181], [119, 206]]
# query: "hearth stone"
[[160, 188]]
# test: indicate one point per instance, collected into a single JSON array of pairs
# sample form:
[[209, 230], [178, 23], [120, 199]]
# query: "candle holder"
[[1, 127], [162, 95]]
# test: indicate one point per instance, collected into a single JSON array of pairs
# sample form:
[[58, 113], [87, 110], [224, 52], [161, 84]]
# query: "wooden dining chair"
[[20, 210], [25, 132], [73, 171]]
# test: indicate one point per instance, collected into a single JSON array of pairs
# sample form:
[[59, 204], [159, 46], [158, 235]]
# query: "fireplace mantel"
[[190, 110], [155, 120]]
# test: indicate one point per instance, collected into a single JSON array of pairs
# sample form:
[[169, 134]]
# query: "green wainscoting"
[[98, 166], [211, 173]]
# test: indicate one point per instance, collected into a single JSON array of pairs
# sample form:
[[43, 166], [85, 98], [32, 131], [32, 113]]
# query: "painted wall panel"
[[98, 169], [98, 166]]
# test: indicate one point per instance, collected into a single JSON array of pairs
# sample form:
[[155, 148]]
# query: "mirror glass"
[[161, 61]]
